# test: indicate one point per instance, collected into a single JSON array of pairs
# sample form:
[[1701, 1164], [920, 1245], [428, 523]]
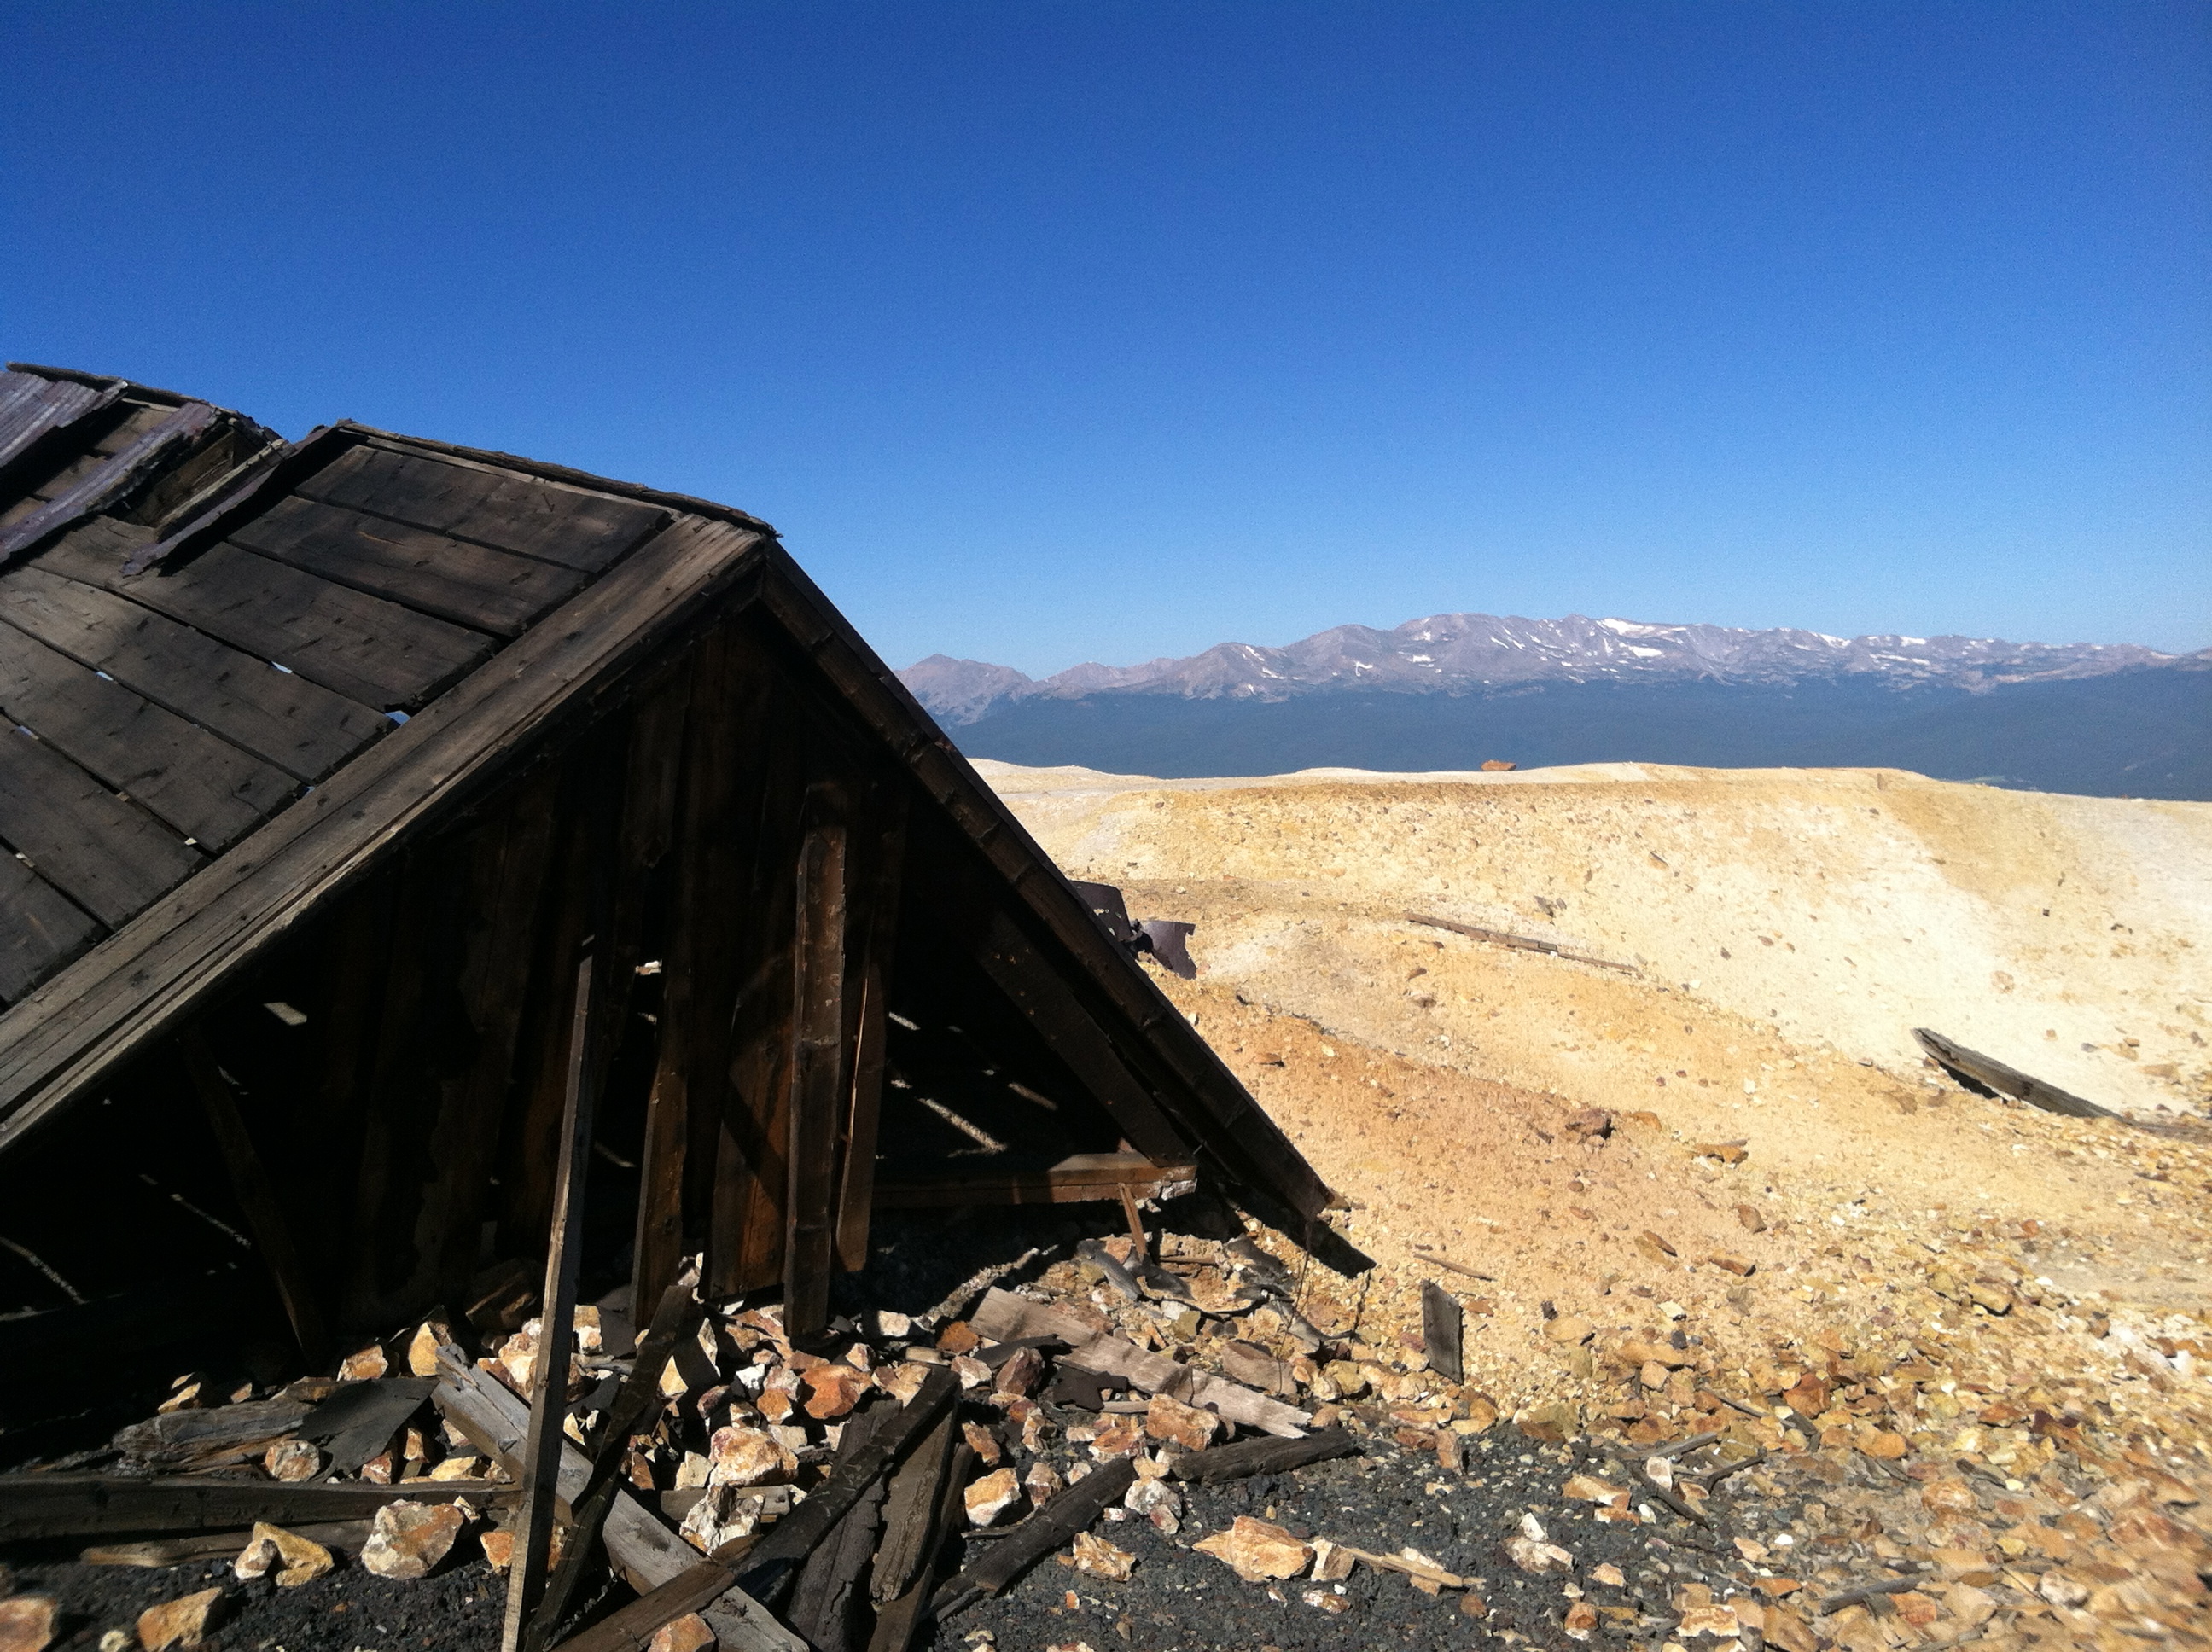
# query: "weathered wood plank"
[[751, 1164], [110, 857], [1442, 1324], [496, 1422], [205, 787], [569, 526], [1268, 1456], [910, 1528], [820, 1086], [2006, 1080], [40, 929], [1070, 1512], [119, 999], [1004, 1317], [548, 1389], [883, 842], [830, 1597], [1081, 1178], [1249, 1143], [90, 1505], [301, 726], [1040, 993], [377, 651], [470, 584], [249, 1181], [506, 884]]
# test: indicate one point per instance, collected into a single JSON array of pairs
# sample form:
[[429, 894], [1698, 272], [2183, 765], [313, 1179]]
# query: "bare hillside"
[[1723, 1126]]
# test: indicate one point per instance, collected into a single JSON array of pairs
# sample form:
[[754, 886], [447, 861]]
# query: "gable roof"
[[227, 716]]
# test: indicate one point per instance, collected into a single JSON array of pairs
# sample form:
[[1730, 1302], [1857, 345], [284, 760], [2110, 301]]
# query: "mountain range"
[[1453, 690]]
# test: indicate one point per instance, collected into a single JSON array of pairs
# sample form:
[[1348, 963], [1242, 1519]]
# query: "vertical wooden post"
[[876, 929], [249, 1180], [549, 1384], [818, 1073]]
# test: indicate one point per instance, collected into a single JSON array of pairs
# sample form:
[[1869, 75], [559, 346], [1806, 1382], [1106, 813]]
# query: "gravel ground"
[[349, 1608]]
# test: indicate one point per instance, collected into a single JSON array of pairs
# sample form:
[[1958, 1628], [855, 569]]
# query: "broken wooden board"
[[497, 1423], [1071, 1511], [1520, 943], [1274, 1456], [93, 1505], [1443, 1325], [2007, 1081], [1004, 1316], [1078, 1179]]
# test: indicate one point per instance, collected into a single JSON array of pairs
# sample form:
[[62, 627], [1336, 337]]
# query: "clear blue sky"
[[1048, 333]]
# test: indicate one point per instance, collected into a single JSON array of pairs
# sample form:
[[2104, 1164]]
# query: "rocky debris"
[[1257, 1550], [294, 1559], [27, 1623], [1177, 1424], [1094, 1557], [992, 1496], [689, 1633], [181, 1622], [408, 1540]]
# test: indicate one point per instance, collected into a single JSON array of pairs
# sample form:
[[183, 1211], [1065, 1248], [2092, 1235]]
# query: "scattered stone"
[[1552, 1424], [1158, 1502], [1752, 1221], [370, 1362], [1117, 1436], [837, 1389], [1589, 1123], [724, 1514], [27, 1623], [1257, 1550], [1471, 1605], [747, 1456], [294, 1559], [1095, 1557], [984, 1443], [992, 1496], [1180, 1424], [292, 1460], [689, 1633], [1537, 1556], [409, 1539], [1716, 1621], [1019, 1374], [1743, 1267], [1587, 1488], [1610, 1575], [181, 1622], [1580, 1619], [1569, 1329]]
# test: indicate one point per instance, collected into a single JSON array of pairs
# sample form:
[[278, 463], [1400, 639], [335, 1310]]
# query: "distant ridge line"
[[1484, 653]]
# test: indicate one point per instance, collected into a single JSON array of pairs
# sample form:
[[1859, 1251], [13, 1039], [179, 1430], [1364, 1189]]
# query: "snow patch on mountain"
[[1477, 653]]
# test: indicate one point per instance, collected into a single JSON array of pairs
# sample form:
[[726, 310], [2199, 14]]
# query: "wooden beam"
[[645, 1551], [1038, 989], [249, 1181], [549, 1387], [820, 1091], [38, 1506], [1070, 1512], [639, 1398], [1442, 1325], [1081, 1178], [1994, 1074], [877, 928]]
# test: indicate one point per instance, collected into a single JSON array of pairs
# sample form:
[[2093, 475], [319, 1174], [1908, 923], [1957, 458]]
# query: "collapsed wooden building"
[[331, 764]]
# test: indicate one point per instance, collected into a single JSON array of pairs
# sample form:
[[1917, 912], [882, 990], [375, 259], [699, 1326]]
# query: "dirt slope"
[[1783, 932]]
